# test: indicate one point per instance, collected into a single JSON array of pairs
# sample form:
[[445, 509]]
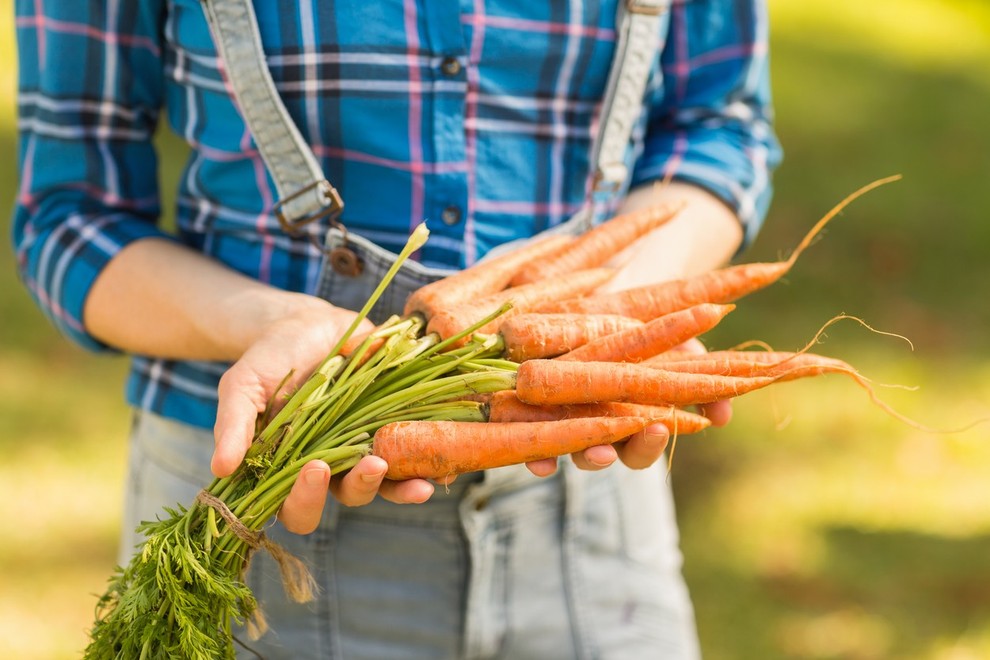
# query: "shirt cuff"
[[740, 179], [61, 265]]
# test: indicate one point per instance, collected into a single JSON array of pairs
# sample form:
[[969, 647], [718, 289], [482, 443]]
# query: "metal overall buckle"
[[342, 259], [333, 205]]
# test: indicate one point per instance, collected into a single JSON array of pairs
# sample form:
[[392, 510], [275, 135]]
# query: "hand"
[[358, 486], [297, 341], [637, 452], [641, 450], [704, 235], [719, 412]]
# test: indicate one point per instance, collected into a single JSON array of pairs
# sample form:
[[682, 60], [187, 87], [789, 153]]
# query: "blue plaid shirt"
[[480, 114]]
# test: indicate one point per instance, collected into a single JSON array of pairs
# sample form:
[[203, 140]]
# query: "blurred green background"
[[815, 525]]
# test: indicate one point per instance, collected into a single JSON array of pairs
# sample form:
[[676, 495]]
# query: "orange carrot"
[[483, 278], [647, 302], [505, 406], [659, 335], [723, 285], [439, 449], [529, 336], [453, 320], [553, 382], [782, 364], [599, 244], [779, 365]]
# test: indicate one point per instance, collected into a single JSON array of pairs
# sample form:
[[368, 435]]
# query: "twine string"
[[297, 581]]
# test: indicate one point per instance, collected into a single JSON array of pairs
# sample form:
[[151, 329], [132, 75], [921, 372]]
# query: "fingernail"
[[600, 463], [373, 477], [657, 440], [316, 478]]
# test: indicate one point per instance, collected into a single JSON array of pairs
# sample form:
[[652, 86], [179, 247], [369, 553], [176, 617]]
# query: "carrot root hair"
[[847, 317], [836, 210]]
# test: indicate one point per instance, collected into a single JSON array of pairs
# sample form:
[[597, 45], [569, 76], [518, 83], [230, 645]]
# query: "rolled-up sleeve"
[[711, 118], [90, 89]]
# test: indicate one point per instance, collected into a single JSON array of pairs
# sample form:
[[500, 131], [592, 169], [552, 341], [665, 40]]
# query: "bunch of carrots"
[[515, 359], [593, 368]]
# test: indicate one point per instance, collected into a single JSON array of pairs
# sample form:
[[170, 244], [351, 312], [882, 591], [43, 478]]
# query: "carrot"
[[439, 449], [647, 302], [553, 382], [505, 406], [723, 285], [481, 279], [599, 244], [779, 365], [528, 336], [453, 320], [661, 334], [783, 364]]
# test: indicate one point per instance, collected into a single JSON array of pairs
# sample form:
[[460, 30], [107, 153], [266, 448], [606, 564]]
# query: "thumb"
[[239, 403], [643, 449]]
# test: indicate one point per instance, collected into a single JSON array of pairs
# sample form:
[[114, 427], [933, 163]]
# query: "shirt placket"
[[443, 105]]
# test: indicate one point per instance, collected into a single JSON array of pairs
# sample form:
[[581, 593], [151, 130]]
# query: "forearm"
[[704, 235], [159, 298]]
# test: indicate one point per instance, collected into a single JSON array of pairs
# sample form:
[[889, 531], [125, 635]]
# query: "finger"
[[303, 507], [359, 485], [234, 427], [645, 448], [720, 412], [367, 479], [543, 468], [595, 458], [409, 491], [693, 346]]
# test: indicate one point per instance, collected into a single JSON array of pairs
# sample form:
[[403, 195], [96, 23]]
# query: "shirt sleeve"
[[710, 121], [90, 88]]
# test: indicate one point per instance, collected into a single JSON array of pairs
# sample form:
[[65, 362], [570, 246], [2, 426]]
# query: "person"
[[479, 118]]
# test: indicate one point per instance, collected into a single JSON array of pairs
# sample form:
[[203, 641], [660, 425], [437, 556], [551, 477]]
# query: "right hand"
[[643, 449], [298, 341]]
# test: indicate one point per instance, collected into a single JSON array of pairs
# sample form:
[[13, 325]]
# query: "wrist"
[[261, 312], [702, 236]]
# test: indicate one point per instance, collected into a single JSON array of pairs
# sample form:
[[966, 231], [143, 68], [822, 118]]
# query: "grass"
[[815, 526]]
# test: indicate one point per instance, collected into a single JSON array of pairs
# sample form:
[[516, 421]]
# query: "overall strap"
[[303, 191], [639, 40]]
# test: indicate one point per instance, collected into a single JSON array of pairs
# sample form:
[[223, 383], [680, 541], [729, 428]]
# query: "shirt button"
[[450, 66], [451, 215]]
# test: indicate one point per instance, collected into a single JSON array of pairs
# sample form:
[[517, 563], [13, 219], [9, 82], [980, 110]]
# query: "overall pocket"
[[354, 266]]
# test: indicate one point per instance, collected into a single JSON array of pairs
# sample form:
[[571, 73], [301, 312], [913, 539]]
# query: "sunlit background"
[[816, 525]]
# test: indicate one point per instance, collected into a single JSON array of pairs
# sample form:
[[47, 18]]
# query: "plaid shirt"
[[477, 117]]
